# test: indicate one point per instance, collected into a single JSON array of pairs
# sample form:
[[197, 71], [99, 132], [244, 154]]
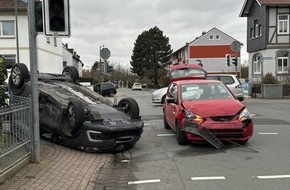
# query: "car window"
[[205, 91], [212, 77], [172, 92], [227, 79], [187, 72]]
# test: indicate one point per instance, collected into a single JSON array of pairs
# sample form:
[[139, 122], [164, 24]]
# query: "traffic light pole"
[[34, 83], [236, 65]]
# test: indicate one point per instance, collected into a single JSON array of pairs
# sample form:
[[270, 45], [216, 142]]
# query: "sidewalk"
[[61, 168]]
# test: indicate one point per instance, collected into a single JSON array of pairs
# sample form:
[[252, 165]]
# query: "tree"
[[151, 54]]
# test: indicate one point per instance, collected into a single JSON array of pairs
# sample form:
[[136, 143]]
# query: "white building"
[[52, 55]]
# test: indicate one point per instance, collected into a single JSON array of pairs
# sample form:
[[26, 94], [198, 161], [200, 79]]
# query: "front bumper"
[[218, 132], [99, 137]]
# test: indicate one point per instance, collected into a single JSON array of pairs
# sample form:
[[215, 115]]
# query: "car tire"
[[72, 72], [130, 107], [112, 94], [166, 125], [180, 135], [19, 73], [74, 118]]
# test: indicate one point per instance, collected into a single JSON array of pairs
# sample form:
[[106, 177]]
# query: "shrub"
[[269, 79]]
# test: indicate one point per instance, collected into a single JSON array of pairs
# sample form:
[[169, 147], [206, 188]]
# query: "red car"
[[201, 110]]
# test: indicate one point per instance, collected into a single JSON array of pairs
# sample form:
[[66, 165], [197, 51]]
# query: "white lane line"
[[262, 133], [207, 178], [273, 176], [144, 181], [147, 124], [125, 161], [165, 135]]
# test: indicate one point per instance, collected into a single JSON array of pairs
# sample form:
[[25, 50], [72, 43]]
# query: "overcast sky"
[[116, 24]]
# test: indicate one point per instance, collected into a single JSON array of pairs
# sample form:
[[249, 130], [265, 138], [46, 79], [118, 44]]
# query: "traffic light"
[[228, 59], [38, 16], [109, 68], [57, 21], [235, 61]]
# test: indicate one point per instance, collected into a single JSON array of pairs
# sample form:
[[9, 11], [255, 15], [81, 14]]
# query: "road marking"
[[207, 178], [144, 181], [273, 176], [165, 135], [268, 133], [147, 124], [125, 161]]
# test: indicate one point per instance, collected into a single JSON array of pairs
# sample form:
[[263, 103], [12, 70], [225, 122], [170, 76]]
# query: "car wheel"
[[130, 107], [72, 72], [74, 118], [19, 73], [112, 94], [166, 125], [180, 135]]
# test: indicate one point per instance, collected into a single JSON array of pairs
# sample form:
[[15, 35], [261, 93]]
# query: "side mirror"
[[171, 99]]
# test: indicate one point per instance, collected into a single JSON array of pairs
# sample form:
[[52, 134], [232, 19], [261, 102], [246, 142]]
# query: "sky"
[[116, 24]]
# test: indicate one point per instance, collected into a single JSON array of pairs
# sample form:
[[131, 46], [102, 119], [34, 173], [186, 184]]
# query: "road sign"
[[105, 53], [235, 46]]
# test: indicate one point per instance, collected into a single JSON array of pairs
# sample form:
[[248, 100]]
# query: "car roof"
[[221, 74]]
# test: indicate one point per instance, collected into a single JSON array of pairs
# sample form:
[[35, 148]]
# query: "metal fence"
[[15, 132]]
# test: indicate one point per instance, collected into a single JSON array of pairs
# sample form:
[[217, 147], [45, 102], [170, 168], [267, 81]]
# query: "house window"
[[7, 28], [257, 64], [210, 37], [282, 65], [251, 33], [283, 24], [217, 37], [282, 62]]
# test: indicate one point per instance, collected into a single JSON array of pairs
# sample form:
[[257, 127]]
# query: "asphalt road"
[[158, 162]]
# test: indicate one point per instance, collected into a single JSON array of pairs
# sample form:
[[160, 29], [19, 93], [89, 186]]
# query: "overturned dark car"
[[77, 117]]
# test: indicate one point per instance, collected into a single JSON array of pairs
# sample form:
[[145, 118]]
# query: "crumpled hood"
[[212, 108]]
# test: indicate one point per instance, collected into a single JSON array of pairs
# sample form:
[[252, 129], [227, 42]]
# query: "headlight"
[[196, 118], [245, 115]]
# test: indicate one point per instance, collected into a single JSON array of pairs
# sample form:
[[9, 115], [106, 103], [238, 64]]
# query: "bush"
[[269, 79]]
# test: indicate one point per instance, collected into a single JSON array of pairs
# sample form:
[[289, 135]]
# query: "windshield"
[[205, 91]]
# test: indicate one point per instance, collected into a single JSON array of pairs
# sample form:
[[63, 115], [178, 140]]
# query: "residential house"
[[14, 41], [268, 38], [210, 49]]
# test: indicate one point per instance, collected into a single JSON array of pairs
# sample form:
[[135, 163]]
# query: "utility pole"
[[34, 83]]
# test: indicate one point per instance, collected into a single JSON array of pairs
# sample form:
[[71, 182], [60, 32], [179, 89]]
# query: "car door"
[[171, 108]]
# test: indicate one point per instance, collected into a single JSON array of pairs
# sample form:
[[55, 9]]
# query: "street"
[[158, 162]]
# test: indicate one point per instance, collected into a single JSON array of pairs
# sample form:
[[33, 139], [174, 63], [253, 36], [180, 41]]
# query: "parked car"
[[136, 86], [108, 89], [202, 110], [158, 96], [78, 117], [232, 82]]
